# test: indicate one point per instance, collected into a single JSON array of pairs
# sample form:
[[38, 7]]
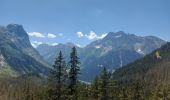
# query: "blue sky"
[[83, 21]]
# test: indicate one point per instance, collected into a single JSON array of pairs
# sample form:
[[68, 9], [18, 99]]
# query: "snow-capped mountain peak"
[[118, 36]]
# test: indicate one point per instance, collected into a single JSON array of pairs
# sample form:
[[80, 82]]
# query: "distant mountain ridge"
[[17, 56], [113, 51], [50, 52]]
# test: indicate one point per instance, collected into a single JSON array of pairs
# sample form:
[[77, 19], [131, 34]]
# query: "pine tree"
[[113, 89], [57, 78], [73, 73], [95, 89], [104, 84], [138, 92], [124, 94], [83, 91]]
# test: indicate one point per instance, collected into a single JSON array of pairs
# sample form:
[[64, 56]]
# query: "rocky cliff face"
[[17, 53]]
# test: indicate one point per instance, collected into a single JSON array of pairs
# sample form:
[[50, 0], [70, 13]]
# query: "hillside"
[[153, 68]]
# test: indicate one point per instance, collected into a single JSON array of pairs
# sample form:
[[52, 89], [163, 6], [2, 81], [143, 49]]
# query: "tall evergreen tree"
[[113, 90], [104, 84], [124, 94], [73, 73], [95, 89], [57, 78]]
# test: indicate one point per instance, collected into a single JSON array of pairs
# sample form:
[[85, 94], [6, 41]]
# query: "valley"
[[120, 66]]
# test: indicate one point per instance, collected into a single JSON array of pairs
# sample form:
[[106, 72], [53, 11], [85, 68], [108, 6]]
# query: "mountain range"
[[115, 50], [17, 56]]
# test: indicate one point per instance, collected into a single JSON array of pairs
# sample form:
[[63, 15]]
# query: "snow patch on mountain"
[[118, 36], [140, 51], [2, 61], [13, 40], [99, 65], [98, 46], [106, 50], [139, 48]]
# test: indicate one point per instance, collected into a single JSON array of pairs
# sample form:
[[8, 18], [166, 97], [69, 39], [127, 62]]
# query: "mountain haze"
[[50, 52], [113, 51]]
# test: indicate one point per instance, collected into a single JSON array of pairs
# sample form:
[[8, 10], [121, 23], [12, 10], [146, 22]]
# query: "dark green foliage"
[[113, 90], [104, 88], [138, 90], [73, 73], [57, 79], [104, 84], [95, 89]]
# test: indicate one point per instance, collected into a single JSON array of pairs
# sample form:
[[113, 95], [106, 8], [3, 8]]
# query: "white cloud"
[[93, 36], [35, 44], [54, 44], [42, 35], [80, 34], [36, 34], [50, 35]]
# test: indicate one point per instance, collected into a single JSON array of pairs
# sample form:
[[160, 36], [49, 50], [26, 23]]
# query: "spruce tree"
[[95, 89], [124, 94], [57, 78], [104, 84], [73, 73], [113, 89]]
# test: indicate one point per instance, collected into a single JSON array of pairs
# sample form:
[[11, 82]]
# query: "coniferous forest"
[[63, 83]]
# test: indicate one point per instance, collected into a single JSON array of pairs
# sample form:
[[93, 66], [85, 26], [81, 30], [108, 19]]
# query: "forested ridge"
[[125, 84]]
